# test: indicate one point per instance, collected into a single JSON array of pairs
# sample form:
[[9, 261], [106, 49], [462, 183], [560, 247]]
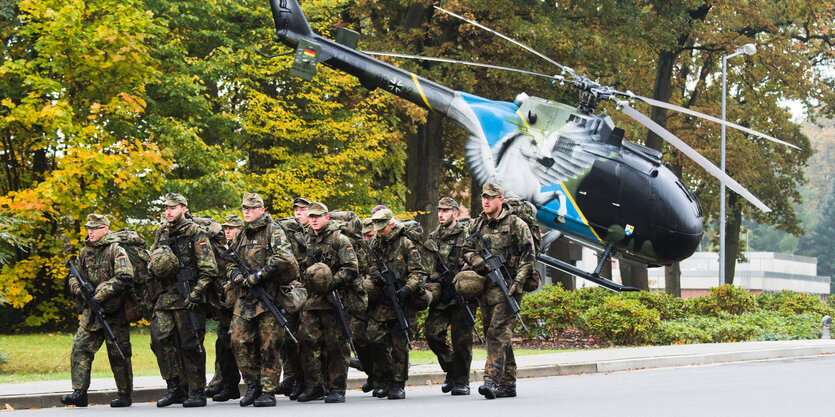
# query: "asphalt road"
[[787, 387]]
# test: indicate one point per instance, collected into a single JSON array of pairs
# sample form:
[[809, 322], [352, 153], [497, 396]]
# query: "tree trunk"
[[634, 274], [732, 227], [560, 250], [662, 91], [672, 279], [423, 170]]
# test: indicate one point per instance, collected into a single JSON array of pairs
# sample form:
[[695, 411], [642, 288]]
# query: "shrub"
[[669, 306], [622, 321], [725, 298], [588, 297], [3, 358], [549, 311], [793, 302], [758, 325]]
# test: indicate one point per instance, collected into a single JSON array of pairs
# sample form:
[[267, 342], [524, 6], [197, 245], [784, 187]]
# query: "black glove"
[[253, 279], [237, 277], [403, 294], [378, 280], [192, 301]]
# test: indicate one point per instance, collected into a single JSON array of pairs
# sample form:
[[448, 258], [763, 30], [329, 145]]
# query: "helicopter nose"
[[679, 228], [676, 245]]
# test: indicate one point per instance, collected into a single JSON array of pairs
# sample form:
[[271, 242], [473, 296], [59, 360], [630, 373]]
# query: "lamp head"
[[748, 49]]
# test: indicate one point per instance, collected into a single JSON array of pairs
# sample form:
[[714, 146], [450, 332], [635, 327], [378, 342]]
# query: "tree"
[[821, 239]]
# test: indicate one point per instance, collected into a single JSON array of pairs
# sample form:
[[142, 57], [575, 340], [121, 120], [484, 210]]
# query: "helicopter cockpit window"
[[565, 145]]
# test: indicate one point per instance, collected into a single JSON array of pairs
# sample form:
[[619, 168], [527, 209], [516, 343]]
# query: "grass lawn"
[[40, 357]]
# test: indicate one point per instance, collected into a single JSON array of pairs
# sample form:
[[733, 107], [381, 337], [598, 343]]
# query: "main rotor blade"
[[692, 154], [514, 41], [456, 61], [685, 110]]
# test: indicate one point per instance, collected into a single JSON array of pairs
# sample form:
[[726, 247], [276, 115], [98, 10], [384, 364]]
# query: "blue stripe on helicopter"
[[575, 221], [497, 118]]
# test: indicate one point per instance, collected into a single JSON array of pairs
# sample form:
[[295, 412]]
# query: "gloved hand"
[[516, 288], [237, 277], [193, 301], [75, 289], [98, 297], [378, 280], [253, 279], [403, 294]]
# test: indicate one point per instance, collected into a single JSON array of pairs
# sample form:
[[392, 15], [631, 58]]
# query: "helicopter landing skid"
[[588, 276]]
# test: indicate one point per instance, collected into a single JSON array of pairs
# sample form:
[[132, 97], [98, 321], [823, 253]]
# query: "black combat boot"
[[196, 398], [266, 399], [226, 394], [175, 394], [461, 387], [78, 398], [311, 394], [121, 400], [298, 389], [253, 391], [397, 391], [382, 391], [356, 364], [285, 388], [213, 390], [447, 385], [335, 396], [368, 385], [488, 389], [504, 391]]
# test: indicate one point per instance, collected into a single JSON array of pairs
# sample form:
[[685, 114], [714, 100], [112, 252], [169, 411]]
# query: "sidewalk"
[[149, 388]]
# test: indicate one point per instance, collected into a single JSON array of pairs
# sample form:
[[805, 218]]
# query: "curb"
[[47, 400]]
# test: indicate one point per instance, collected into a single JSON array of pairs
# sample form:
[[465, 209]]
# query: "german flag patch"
[[121, 261], [203, 246]]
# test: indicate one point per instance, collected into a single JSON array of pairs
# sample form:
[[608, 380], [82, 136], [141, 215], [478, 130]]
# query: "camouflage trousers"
[[322, 337], [256, 344], [359, 328], [85, 344], [290, 356], [499, 321], [226, 368], [179, 351], [455, 360], [390, 349]]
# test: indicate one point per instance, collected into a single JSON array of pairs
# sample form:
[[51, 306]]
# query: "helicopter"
[[588, 183]]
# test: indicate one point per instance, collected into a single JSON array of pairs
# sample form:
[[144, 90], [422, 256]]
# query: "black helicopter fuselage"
[[586, 181]]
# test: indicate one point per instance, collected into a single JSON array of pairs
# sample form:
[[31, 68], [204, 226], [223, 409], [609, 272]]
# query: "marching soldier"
[[292, 383], [359, 321], [256, 335], [106, 267], [332, 270], [503, 234], [183, 266], [224, 384], [445, 313], [390, 345]]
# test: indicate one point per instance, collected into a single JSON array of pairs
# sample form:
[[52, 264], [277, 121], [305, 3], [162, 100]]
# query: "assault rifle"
[[259, 291], [448, 291], [391, 283], [186, 277], [336, 302], [497, 272], [87, 292]]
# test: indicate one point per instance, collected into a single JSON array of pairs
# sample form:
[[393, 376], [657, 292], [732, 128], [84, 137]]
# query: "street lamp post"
[[747, 49]]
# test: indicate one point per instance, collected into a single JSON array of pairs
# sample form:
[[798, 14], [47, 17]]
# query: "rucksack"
[[350, 226], [137, 251], [526, 211], [294, 230], [214, 231]]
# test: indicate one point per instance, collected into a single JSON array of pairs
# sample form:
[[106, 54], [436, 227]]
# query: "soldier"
[[256, 335], [292, 384], [224, 384], [504, 234], [445, 313], [391, 345], [181, 250], [332, 270], [359, 321], [105, 266]]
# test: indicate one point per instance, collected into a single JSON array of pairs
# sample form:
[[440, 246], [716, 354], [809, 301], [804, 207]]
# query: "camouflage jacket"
[[106, 266], [192, 247], [402, 256], [450, 246], [339, 255], [505, 235], [263, 245]]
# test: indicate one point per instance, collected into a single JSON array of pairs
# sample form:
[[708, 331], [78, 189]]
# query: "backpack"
[[137, 250], [350, 226], [294, 230], [428, 250], [215, 233]]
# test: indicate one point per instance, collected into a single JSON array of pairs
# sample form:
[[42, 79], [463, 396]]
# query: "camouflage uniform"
[[510, 236], [179, 350], [403, 256], [256, 335], [106, 266], [446, 314], [359, 320], [226, 374], [320, 326]]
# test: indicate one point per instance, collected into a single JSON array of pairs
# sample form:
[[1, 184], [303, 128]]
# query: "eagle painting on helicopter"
[[587, 182]]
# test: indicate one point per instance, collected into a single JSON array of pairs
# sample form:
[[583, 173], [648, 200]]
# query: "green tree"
[[820, 240]]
